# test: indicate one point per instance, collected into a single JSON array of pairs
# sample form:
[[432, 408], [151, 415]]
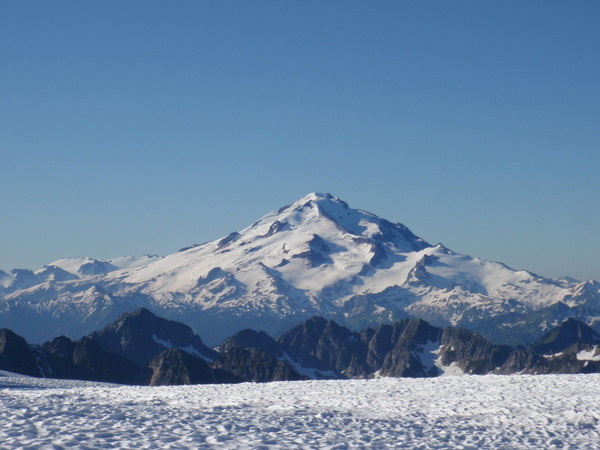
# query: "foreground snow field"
[[546, 411]]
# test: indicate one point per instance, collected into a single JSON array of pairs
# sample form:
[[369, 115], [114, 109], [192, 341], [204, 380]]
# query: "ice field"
[[543, 411]]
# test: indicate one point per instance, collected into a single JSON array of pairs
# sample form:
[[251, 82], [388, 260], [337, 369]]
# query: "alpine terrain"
[[316, 256], [142, 349]]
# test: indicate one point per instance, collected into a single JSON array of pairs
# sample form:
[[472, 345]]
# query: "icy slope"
[[551, 411], [315, 256], [314, 243]]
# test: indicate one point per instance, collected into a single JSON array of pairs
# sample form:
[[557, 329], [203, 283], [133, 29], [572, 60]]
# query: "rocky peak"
[[472, 353], [569, 332], [323, 344], [252, 339], [140, 336], [252, 364], [15, 354], [86, 360]]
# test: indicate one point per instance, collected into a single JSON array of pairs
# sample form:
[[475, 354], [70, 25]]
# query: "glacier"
[[516, 411]]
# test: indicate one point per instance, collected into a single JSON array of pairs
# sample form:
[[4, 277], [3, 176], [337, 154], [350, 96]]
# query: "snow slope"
[[79, 265], [549, 411], [315, 256]]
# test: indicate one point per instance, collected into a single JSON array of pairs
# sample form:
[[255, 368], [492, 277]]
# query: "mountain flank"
[[314, 257]]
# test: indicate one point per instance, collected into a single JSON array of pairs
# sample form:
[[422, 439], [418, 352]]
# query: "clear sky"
[[133, 127]]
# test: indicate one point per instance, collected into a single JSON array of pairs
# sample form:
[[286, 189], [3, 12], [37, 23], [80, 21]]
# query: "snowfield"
[[544, 411]]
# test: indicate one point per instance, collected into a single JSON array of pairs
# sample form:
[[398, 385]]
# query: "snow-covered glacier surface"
[[549, 411]]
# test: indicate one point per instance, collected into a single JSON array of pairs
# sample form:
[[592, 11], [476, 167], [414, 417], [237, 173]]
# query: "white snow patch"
[[430, 357], [189, 349], [371, 228], [588, 355], [165, 343], [553, 355]]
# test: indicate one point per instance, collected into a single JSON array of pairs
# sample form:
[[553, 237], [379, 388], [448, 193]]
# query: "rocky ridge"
[[315, 349]]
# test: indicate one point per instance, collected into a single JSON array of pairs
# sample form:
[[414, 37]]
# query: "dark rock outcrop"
[[86, 360], [472, 353], [566, 363], [251, 364], [413, 348], [324, 345], [176, 367], [520, 360], [570, 332], [252, 339], [571, 347], [140, 336], [318, 348], [525, 359], [317, 252], [15, 354], [408, 356]]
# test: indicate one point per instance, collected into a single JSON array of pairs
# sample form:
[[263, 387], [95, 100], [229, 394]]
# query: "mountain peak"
[[317, 196], [320, 200], [141, 335], [315, 256], [567, 333], [140, 312]]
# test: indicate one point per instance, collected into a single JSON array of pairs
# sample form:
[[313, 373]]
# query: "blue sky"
[[143, 127]]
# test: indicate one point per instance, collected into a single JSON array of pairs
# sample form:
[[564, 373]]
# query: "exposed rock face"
[[571, 347], [15, 354], [86, 360], [252, 339], [175, 367], [408, 348], [569, 332], [472, 353], [323, 344], [524, 359], [521, 360], [567, 363], [140, 336], [251, 364], [407, 341], [317, 348], [413, 348]]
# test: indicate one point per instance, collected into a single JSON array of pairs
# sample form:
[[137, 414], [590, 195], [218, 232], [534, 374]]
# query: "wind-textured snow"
[[547, 411]]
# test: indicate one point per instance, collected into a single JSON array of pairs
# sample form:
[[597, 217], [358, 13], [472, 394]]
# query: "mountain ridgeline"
[[143, 349], [316, 256]]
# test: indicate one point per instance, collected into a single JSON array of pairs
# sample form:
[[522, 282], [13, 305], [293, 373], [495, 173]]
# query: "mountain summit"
[[316, 256]]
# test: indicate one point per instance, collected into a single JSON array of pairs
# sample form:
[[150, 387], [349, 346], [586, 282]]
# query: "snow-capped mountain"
[[315, 256]]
